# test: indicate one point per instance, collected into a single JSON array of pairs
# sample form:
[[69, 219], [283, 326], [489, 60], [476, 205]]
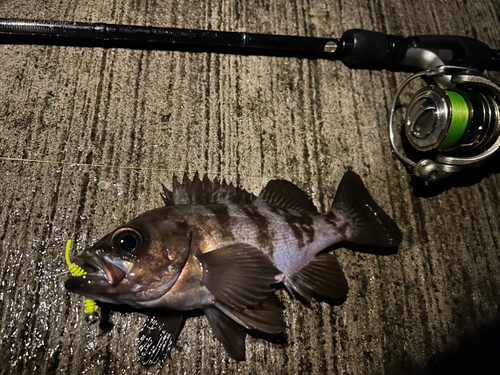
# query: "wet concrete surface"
[[99, 130]]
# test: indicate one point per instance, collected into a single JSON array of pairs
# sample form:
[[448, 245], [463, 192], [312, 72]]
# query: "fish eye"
[[127, 239]]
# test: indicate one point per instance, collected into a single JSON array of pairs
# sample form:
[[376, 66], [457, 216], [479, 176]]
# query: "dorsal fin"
[[284, 194], [204, 191]]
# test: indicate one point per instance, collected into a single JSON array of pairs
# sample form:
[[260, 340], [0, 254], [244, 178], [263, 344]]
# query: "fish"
[[220, 249]]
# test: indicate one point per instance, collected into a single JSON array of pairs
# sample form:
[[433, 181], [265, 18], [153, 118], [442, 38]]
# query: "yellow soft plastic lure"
[[90, 305]]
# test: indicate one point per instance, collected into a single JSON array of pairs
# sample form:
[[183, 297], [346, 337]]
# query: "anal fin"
[[158, 336], [230, 334], [322, 277], [263, 316]]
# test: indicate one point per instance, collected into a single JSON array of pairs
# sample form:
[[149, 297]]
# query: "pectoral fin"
[[231, 335], [158, 336], [238, 275], [321, 277]]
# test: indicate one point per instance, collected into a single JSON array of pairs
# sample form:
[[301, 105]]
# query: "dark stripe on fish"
[[338, 222], [301, 225], [264, 235], [221, 213]]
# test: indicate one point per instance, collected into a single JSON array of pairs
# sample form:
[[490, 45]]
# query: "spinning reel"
[[459, 117]]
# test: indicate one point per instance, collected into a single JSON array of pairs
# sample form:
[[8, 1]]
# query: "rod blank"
[[318, 47]]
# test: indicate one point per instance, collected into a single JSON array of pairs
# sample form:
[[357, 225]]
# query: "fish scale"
[[218, 248], [289, 242]]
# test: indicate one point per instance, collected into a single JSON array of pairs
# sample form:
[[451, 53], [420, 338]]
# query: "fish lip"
[[101, 272]]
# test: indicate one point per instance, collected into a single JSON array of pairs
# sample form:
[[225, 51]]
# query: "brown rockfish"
[[218, 248]]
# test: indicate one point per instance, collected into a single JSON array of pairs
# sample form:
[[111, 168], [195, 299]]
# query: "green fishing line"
[[459, 119]]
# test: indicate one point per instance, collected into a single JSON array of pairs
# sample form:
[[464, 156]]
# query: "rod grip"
[[373, 49]]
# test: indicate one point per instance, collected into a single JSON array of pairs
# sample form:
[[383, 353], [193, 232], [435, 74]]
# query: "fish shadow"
[[367, 249], [274, 338], [317, 298], [105, 322], [106, 325]]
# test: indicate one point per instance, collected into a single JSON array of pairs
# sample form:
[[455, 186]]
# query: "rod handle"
[[378, 50]]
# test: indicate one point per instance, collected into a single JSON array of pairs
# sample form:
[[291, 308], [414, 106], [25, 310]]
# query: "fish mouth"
[[104, 275], [106, 281]]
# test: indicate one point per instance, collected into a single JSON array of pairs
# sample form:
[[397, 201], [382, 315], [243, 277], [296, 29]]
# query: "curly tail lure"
[[90, 305]]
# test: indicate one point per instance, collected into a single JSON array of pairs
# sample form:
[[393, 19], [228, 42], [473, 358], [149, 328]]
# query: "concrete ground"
[[99, 130]]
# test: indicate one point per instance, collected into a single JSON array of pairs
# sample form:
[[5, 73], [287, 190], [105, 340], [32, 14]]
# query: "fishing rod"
[[356, 47], [459, 116]]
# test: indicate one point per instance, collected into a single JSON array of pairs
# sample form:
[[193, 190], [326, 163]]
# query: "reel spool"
[[460, 120]]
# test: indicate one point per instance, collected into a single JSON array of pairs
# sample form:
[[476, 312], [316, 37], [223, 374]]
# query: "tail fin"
[[370, 225]]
